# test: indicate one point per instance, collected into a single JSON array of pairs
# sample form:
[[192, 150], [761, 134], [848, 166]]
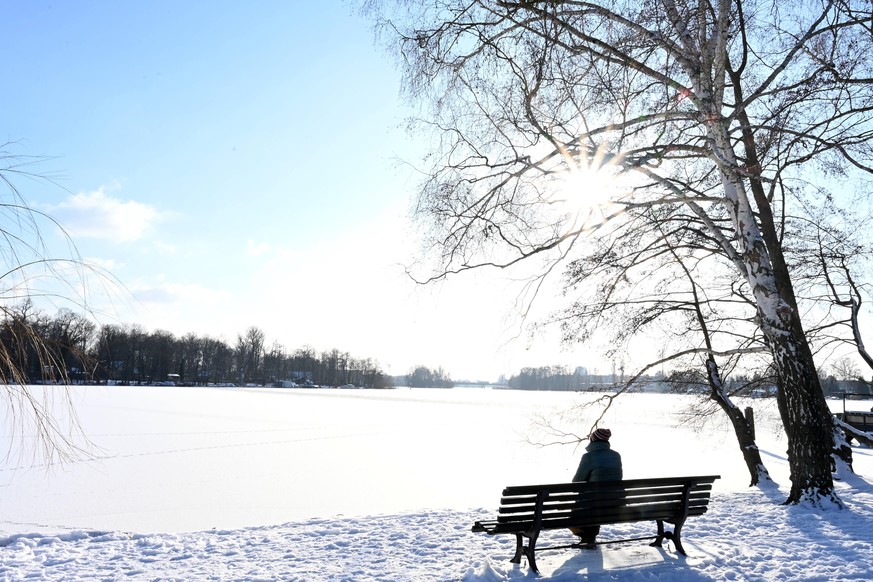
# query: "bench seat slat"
[[594, 512], [607, 514], [520, 527], [569, 521], [583, 502]]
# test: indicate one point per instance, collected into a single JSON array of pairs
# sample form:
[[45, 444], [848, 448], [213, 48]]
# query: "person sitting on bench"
[[599, 463]]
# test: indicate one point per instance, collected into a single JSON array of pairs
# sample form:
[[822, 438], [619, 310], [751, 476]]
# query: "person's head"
[[601, 434]]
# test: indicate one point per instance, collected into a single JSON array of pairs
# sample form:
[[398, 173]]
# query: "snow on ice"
[[276, 484]]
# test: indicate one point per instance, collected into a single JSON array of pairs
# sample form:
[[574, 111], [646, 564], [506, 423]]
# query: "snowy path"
[[745, 537]]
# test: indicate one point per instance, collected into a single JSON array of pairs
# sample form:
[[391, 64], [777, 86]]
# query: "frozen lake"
[[189, 459]]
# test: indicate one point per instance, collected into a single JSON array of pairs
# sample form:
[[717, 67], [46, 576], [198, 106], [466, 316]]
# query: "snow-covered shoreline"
[[745, 537]]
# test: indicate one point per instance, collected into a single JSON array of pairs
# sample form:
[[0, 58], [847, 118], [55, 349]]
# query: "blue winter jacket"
[[600, 463]]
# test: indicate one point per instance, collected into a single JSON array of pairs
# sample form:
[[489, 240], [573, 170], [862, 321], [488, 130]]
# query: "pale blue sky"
[[235, 164]]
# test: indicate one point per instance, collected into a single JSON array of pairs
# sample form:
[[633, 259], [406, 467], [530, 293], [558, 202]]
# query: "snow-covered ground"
[[295, 484]]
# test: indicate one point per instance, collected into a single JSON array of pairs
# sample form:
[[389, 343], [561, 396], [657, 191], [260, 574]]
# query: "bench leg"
[[519, 549], [527, 550], [659, 541], [530, 550], [673, 536]]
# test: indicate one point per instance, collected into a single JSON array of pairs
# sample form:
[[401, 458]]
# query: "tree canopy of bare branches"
[[616, 141]]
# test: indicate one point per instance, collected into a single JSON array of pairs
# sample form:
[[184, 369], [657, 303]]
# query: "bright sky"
[[238, 167]]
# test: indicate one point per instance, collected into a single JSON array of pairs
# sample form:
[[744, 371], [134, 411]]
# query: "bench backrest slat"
[[568, 521], [603, 502], [626, 484], [618, 494], [550, 506]]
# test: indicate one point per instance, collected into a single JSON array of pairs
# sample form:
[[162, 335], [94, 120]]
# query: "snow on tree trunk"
[[807, 421], [802, 405]]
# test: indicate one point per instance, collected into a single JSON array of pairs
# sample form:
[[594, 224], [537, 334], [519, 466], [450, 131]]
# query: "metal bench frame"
[[527, 510]]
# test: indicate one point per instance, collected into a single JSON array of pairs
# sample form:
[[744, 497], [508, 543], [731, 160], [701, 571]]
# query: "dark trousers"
[[587, 533]]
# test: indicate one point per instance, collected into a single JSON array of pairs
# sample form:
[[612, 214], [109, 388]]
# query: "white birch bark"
[[801, 401]]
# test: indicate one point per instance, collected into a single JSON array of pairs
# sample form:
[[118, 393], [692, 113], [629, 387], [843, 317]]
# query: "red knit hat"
[[601, 434]]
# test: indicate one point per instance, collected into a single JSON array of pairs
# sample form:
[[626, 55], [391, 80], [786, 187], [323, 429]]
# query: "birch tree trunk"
[[805, 416], [802, 406]]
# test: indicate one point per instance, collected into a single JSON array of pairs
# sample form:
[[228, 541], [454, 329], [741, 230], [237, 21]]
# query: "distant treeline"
[[681, 381], [71, 347], [756, 384], [558, 378], [424, 377]]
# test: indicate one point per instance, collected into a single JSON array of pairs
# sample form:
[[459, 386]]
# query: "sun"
[[587, 188]]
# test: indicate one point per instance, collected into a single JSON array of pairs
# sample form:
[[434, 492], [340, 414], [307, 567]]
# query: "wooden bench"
[[862, 421], [529, 509]]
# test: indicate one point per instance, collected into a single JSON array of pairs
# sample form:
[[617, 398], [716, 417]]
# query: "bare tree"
[[716, 108], [703, 321], [845, 368], [845, 291], [31, 273], [830, 253], [191, 358], [217, 360], [249, 350], [274, 362], [836, 257], [699, 324]]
